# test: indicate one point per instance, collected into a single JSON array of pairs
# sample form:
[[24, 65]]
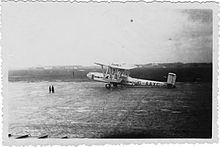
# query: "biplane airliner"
[[116, 74]]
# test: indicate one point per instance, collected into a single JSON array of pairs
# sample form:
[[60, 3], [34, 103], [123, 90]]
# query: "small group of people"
[[51, 89]]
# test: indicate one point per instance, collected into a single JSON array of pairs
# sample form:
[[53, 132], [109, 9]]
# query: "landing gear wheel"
[[115, 85], [108, 86]]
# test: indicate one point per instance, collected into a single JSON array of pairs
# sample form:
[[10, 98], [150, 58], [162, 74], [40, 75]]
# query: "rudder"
[[171, 80]]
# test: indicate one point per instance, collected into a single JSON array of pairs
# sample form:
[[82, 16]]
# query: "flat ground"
[[88, 110]]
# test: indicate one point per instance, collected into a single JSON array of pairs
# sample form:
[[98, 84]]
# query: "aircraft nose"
[[89, 75]]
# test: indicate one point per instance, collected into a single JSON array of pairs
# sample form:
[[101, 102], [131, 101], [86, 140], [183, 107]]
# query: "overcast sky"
[[44, 34]]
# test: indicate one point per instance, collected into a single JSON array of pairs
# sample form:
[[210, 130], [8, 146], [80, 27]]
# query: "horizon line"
[[42, 66]]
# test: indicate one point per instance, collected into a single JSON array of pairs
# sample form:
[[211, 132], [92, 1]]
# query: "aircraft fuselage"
[[127, 81]]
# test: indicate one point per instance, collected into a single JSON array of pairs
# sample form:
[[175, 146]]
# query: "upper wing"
[[117, 66], [100, 64], [122, 67]]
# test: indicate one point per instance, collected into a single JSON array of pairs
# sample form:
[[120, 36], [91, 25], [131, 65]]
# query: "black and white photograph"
[[109, 71]]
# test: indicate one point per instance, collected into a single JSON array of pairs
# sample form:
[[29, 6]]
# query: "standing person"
[[52, 88], [49, 89]]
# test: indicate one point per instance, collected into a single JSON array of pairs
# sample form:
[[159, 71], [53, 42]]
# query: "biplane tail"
[[171, 80]]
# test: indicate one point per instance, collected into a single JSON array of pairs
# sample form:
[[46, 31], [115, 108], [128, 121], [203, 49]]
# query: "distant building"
[[39, 68], [48, 67]]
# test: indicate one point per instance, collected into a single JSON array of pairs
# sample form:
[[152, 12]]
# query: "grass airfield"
[[88, 110]]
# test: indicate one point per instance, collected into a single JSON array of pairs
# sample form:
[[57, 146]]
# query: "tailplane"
[[171, 80]]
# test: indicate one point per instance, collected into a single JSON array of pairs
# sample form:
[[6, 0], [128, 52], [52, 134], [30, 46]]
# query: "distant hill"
[[189, 72]]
